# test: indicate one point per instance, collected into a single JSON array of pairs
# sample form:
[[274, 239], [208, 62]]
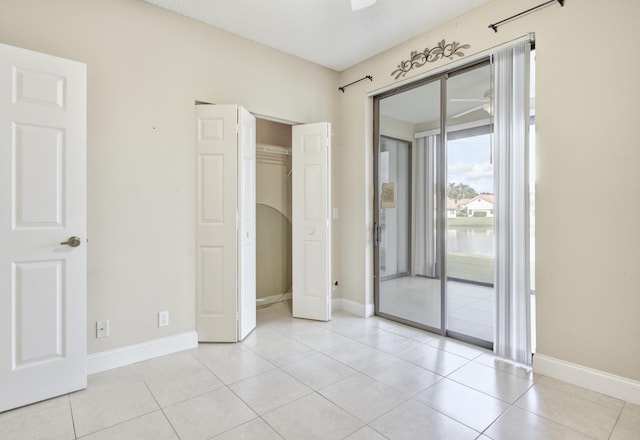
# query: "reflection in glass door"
[[409, 284], [395, 224], [470, 225], [434, 205]]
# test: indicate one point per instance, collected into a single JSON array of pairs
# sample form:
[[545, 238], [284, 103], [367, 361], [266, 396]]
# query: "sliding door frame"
[[441, 185], [409, 208], [440, 207]]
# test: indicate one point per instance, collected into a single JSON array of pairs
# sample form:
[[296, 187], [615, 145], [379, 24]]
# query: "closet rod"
[[494, 26]]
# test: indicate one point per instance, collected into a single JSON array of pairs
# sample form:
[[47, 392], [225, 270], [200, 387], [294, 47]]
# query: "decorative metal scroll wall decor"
[[419, 59]]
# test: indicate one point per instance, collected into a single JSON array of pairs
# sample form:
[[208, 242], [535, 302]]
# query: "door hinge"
[[376, 234]]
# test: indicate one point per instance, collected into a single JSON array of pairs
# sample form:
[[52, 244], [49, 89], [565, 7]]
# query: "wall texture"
[[146, 68], [588, 149]]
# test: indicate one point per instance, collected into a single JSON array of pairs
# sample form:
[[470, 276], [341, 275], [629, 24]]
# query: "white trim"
[[268, 300], [594, 380], [369, 310], [119, 357], [450, 66], [355, 308], [275, 119], [336, 304]]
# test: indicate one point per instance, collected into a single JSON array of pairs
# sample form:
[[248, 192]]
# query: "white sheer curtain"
[[424, 246], [511, 145]]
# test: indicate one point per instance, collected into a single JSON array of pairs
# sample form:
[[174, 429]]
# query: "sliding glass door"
[[470, 195], [407, 200], [438, 273]]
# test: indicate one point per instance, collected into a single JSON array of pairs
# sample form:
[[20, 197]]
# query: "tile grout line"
[[156, 400], [73, 420]]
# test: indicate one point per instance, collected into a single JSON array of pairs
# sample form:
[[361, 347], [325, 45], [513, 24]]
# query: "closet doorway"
[[295, 255], [273, 212], [293, 182]]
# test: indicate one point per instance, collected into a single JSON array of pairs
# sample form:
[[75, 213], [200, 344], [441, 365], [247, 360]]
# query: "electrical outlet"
[[163, 319], [102, 329]]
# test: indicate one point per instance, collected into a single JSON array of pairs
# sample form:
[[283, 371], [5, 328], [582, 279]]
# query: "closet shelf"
[[273, 149]]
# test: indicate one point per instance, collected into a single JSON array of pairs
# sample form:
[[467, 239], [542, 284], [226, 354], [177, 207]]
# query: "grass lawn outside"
[[465, 266], [470, 221], [478, 268]]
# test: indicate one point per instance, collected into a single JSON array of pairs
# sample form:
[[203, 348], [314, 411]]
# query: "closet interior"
[[273, 212]]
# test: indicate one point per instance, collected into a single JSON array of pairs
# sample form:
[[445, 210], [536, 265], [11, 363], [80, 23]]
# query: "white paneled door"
[[311, 202], [247, 220], [225, 242], [43, 256]]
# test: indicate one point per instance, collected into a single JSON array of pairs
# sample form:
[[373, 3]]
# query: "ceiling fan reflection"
[[485, 103]]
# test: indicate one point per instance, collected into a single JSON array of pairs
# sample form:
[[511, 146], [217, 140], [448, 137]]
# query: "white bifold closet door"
[[226, 223], [43, 227], [311, 201]]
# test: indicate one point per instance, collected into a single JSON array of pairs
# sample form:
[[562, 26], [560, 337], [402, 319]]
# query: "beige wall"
[[273, 133], [146, 67], [588, 299]]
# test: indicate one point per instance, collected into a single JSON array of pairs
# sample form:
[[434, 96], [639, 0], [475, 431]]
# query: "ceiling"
[[326, 32]]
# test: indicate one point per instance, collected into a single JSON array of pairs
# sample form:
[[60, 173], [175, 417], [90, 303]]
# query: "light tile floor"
[[417, 299], [350, 378]]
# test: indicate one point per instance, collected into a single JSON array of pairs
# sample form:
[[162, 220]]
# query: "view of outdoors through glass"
[[436, 250], [470, 208]]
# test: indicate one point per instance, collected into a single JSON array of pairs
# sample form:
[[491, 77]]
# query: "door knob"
[[72, 241]]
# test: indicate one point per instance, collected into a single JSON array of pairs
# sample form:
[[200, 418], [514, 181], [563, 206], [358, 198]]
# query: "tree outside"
[[460, 191]]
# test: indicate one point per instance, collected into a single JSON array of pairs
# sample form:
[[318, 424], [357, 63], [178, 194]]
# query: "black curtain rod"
[[494, 26], [369, 77]]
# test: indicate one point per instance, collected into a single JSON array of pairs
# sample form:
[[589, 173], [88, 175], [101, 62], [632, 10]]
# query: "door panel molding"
[[311, 201]]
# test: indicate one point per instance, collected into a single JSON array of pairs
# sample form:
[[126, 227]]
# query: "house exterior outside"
[[479, 206], [452, 208]]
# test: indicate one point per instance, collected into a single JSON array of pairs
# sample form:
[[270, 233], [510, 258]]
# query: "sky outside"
[[470, 162]]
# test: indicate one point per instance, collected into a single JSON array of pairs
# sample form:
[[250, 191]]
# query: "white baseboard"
[[119, 357], [594, 380], [356, 308], [336, 304], [273, 299]]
